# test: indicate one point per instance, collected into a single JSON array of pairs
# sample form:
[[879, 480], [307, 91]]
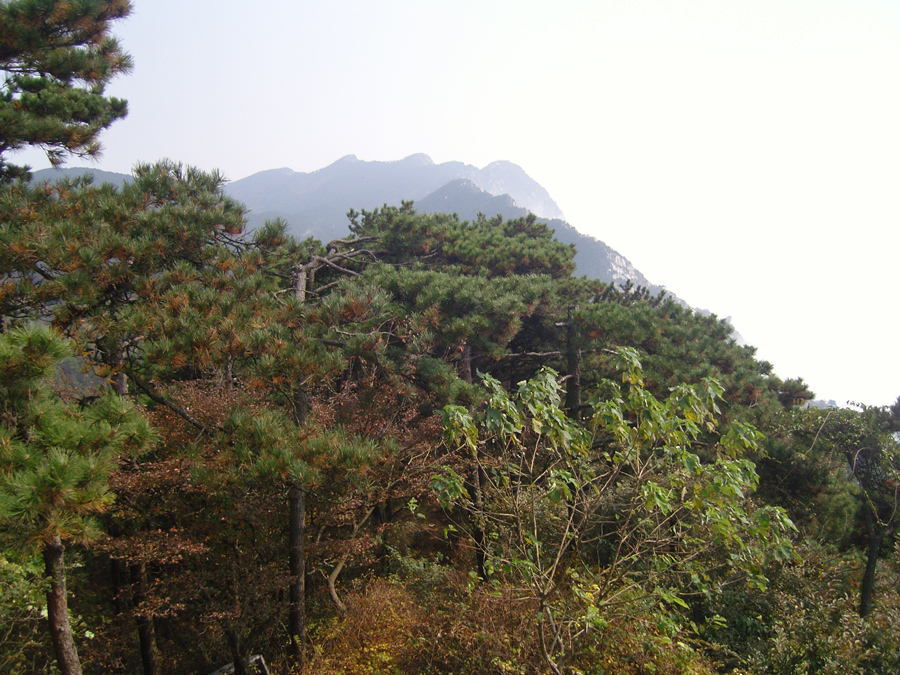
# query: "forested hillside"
[[316, 204], [426, 447]]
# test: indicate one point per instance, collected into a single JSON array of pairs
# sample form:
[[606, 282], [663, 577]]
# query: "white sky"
[[744, 153]]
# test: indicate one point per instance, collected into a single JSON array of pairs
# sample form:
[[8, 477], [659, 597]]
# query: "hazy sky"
[[745, 154]]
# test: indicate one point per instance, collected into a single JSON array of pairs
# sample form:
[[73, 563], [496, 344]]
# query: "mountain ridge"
[[464, 198], [316, 203], [391, 182]]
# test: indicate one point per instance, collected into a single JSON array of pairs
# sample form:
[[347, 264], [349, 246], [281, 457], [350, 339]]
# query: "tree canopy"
[[423, 448], [57, 57]]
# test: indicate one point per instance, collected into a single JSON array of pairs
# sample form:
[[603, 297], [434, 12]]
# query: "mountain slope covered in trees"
[[423, 447], [315, 204]]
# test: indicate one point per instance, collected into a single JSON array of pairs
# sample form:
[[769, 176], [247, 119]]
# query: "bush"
[[808, 621]]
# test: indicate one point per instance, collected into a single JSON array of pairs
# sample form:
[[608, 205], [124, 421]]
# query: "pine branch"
[[350, 242], [530, 354], [329, 263]]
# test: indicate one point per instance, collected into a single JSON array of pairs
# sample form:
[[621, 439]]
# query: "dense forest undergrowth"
[[425, 448]]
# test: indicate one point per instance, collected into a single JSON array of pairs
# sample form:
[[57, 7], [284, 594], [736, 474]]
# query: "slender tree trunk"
[[867, 588], [542, 633], [297, 562], [306, 278], [332, 577], [300, 284], [58, 609], [301, 406], [238, 660], [297, 512], [478, 530], [145, 625], [229, 373], [332, 589], [573, 383], [466, 364], [117, 572]]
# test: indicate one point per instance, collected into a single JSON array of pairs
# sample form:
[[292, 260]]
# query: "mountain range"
[[316, 203]]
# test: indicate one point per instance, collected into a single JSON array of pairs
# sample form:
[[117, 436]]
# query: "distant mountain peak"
[[283, 171], [419, 158], [505, 177], [593, 258], [343, 161], [505, 165], [463, 197], [316, 203]]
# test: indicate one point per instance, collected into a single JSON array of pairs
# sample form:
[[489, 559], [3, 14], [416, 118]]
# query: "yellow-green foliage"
[[377, 634], [435, 621]]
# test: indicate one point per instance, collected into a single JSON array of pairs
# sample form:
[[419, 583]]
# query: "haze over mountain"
[[770, 196], [319, 200], [316, 203], [117, 179], [593, 258]]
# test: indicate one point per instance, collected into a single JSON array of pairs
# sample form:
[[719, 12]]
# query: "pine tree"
[[864, 442], [82, 256], [57, 57], [55, 460]]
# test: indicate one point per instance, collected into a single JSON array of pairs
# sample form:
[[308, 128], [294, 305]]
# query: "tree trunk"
[[573, 383], [58, 609], [466, 364], [542, 633], [297, 514], [297, 562], [301, 406], [146, 628], [238, 660], [867, 588], [332, 577], [478, 533], [117, 574], [300, 285], [229, 373]]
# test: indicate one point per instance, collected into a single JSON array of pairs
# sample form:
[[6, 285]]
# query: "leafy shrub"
[[808, 621]]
